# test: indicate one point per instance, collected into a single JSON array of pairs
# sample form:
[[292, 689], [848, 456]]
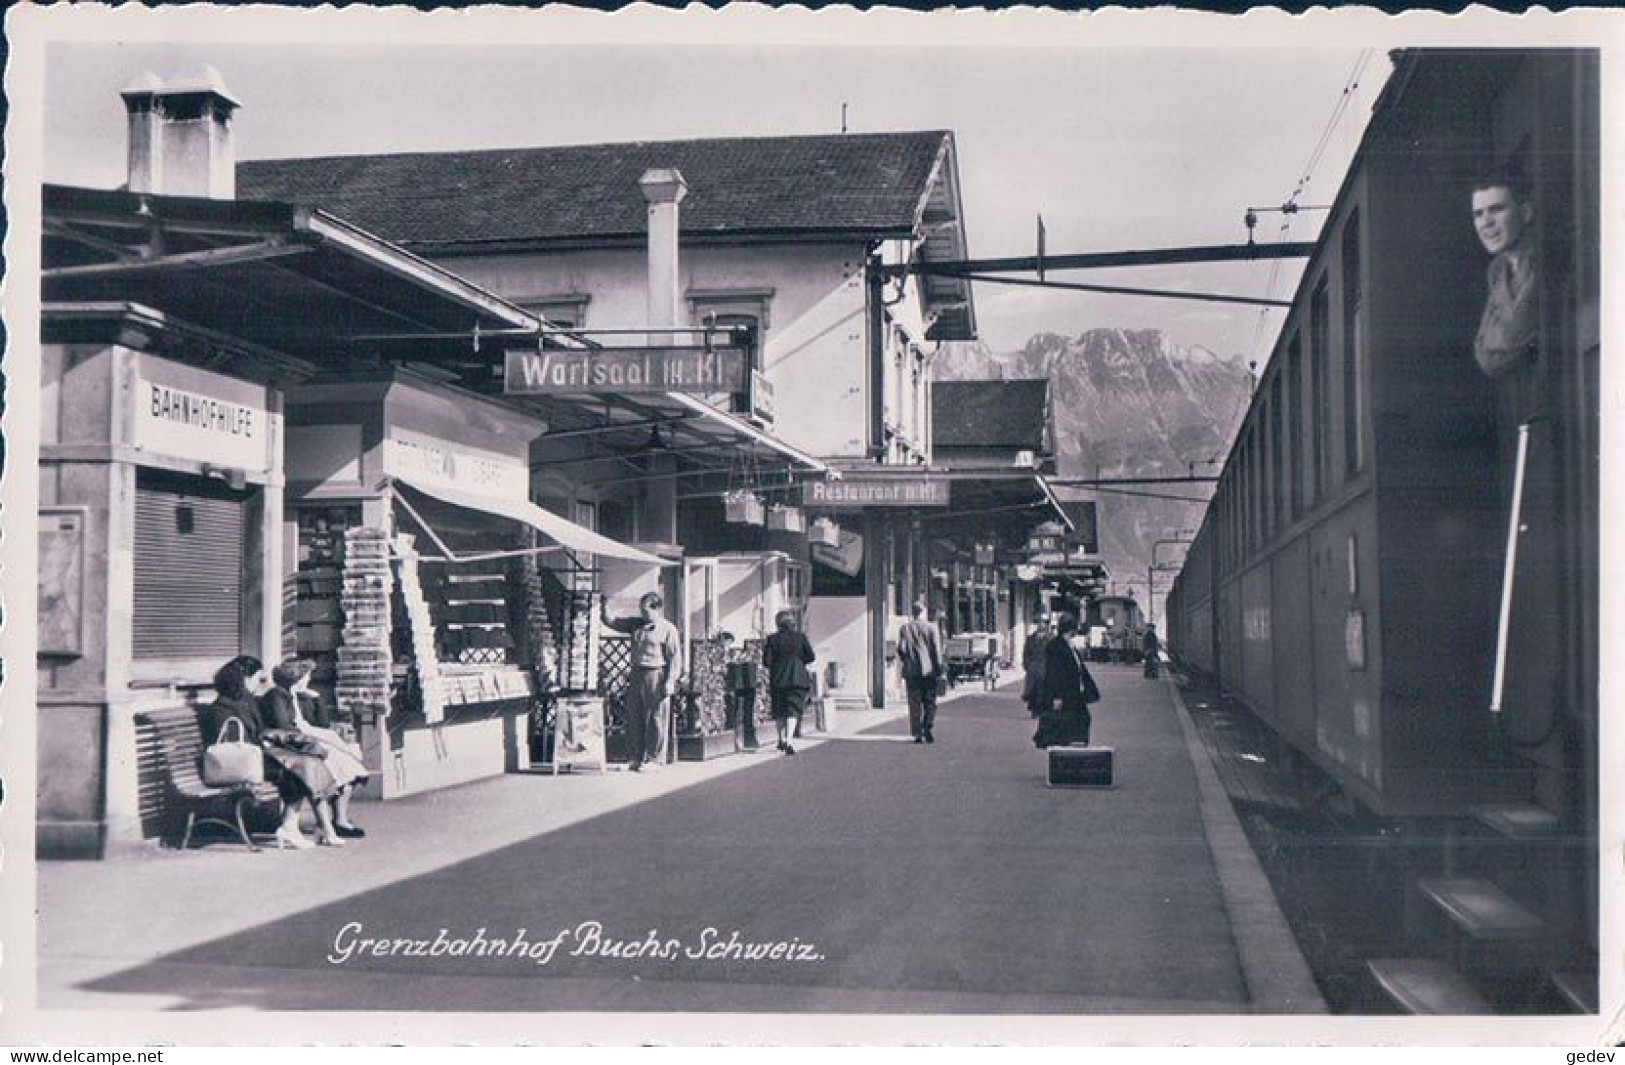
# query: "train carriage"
[[1347, 580]]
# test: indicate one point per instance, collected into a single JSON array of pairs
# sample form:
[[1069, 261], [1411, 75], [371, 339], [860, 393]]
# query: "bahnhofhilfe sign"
[[851, 491], [652, 369], [187, 413]]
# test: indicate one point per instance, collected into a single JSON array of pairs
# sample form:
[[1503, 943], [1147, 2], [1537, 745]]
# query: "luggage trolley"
[[973, 654]]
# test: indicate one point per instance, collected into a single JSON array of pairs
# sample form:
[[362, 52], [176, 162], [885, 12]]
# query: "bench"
[[180, 742]]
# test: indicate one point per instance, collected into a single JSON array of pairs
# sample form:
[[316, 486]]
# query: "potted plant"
[[826, 532], [743, 507], [786, 518]]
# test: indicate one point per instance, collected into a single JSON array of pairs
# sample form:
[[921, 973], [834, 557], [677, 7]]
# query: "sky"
[[1117, 148]]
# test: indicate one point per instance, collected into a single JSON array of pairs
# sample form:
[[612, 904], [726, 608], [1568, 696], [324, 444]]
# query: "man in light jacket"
[[919, 651], [656, 670]]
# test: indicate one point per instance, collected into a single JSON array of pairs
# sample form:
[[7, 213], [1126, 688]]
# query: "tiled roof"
[[1012, 414], [870, 183]]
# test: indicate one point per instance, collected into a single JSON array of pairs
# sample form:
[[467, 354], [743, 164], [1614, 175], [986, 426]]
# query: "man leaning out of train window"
[[1504, 217]]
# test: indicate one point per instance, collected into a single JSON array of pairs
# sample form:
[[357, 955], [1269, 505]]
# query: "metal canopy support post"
[[1123, 290], [613, 427], [195, 260], [1219, 253]]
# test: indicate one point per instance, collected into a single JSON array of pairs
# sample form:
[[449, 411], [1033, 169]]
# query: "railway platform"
[[934, 879]]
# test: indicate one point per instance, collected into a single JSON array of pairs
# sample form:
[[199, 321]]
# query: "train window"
[[1244, 502], [1278, 489], [1241, 499], [1266, 490], [1354, 565], [1261, 484], [1255, 486], [1320, 358], [1353, 353], [1294, 388]]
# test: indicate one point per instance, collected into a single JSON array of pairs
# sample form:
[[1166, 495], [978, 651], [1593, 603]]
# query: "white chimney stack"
[[181, 141], [663, 190]]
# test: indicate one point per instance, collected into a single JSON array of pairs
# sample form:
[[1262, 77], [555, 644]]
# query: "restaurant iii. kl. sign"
[[852, 491]]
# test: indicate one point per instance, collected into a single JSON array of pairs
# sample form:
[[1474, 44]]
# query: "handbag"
[[1091, 693], [294, 741], [227, 763]]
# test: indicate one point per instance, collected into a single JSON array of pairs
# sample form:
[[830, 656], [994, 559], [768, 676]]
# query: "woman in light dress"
[[290, 703]]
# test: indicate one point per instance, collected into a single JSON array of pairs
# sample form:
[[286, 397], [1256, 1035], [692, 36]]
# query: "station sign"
[[854, 491], [187, 413], [436, 463], [763, 409], [624, 370]]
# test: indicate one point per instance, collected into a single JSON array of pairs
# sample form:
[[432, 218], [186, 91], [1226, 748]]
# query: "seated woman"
[[290, 704], [1068, 691], [298, 772]]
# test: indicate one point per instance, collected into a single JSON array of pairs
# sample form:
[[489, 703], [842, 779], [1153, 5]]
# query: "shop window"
[[616, 521], [190, 562], [795, 583]]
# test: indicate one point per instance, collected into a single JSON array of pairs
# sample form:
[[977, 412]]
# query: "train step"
[[1426, 986], [1480, 909], [1578, 988], [1517, 820]]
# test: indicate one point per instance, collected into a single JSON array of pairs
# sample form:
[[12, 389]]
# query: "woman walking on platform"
[[786, 655]]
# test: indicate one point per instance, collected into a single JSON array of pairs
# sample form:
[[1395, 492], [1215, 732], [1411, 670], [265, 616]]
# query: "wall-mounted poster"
[[578, 733], [1354, 638], [61, 581]]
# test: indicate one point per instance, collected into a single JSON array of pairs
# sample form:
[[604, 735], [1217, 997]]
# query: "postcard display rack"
[[365, 658], [424, 655], [568, 651]]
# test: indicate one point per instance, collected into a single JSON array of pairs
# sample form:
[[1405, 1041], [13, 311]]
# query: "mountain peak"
[[1128, 403]]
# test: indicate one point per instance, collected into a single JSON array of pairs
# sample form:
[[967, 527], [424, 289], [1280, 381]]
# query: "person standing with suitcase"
[[1068, 690]]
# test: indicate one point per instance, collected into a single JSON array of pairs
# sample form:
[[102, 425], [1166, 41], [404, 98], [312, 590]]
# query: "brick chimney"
[[181, 141]]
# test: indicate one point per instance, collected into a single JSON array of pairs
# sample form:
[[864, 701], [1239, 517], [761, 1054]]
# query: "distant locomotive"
[[1348, 580]]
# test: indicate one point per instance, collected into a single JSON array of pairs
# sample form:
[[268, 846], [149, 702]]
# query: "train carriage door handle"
[[1514, 528]]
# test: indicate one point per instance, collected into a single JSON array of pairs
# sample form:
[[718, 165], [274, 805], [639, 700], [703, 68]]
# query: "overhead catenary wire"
[[1306, 174]]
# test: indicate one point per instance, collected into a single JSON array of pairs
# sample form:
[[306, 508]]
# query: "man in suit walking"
[[919, 650]]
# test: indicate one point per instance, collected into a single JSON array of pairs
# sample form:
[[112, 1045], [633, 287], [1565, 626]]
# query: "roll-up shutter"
[[189, 558]]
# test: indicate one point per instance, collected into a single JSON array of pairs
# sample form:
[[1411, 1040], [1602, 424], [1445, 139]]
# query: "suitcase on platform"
[[1080, 767]]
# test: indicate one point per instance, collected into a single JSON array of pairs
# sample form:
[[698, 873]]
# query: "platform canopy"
[[562, 531]]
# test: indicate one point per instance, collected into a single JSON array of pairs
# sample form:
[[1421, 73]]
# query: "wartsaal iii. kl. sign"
[[652, 369]]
